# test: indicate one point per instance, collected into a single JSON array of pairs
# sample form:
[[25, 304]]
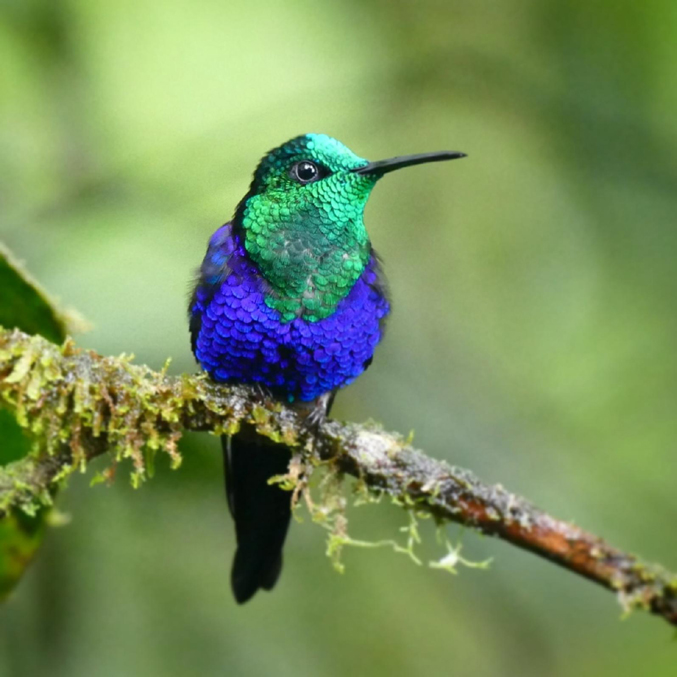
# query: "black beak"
[[384, 166]]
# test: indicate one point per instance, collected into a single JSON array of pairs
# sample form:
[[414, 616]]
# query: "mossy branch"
[[77, 405]]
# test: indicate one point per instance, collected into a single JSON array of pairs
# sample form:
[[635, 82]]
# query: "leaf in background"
[[25, 305], [20, 536]]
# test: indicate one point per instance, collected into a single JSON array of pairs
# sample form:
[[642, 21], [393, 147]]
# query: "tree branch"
[[78, 405]]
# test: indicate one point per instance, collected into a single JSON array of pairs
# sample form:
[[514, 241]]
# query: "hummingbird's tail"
[[261, 511]]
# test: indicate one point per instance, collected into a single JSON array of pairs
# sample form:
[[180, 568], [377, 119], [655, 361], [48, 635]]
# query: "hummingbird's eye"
[[305, 172]]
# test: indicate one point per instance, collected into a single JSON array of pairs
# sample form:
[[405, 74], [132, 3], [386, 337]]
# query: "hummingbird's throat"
[[309, 259]]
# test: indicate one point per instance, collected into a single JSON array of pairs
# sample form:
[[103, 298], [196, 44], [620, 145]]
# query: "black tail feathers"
[[261, 511]]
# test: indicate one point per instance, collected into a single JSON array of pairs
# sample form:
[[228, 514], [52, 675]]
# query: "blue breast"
[[237, 338]]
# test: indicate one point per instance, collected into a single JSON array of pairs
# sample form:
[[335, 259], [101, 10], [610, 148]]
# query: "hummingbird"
[[290, 297]]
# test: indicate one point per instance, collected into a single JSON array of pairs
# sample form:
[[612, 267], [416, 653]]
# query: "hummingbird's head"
[[311, 165], [302, 220]]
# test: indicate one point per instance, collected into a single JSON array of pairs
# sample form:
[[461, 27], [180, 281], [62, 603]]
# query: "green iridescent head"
[[302, 221]]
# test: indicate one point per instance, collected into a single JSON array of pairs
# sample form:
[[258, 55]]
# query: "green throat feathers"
[[302, 222]]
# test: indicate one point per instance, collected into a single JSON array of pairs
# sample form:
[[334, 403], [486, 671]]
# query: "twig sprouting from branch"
[[78, 405]]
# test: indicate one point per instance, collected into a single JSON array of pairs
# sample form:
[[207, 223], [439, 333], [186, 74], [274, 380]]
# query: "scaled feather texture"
[[290, 296]]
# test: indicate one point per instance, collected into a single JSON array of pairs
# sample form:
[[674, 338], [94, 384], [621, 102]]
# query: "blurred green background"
[[532, 338]]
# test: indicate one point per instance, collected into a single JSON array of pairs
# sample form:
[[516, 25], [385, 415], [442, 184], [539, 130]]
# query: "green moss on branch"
[[77, 405]]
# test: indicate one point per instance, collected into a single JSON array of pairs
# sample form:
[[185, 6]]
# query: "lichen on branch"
[[76, 404]]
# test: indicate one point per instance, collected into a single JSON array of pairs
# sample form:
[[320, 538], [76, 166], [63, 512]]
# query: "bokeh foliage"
[[532, 337], [23, 304]]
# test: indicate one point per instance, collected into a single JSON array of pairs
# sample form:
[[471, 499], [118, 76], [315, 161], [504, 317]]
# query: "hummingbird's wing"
[[379, 283], [214, 270]]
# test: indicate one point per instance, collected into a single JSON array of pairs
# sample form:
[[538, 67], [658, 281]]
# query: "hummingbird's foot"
[[262, 391], [315, 413]]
